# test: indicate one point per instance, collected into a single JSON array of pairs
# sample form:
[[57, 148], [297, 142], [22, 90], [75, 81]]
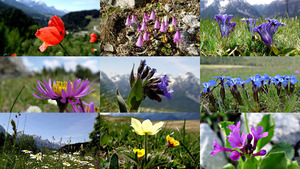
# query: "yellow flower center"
[[60, 85]]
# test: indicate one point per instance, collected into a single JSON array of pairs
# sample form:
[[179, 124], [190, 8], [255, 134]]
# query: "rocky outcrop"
[[11, 67]]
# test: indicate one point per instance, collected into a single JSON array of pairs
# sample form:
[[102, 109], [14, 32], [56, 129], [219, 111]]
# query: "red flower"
[[14, 55], [94, 49], [51, 35], [94, 38]]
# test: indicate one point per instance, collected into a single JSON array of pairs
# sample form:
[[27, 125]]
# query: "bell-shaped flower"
[[156, 25], [264, 33], [152, 16], [146, 36], [163, 27], [146, 17], [128, 21], [174, 21], [224, 24], [166, 19], [177, 37], [144, 26], [218, 148], [146, 127], [139, 43], [133, 18], [273, 25]]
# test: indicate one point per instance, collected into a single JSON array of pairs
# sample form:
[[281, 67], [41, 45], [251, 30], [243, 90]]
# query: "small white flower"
[[26, 151], [67, 164], [34, 109], [76, 153], [53, 102]]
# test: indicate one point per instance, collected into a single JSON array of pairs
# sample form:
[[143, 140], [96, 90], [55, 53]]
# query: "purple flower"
[[146, 36], [297, 71], [273, 25], [163, 27], [63, 91], [139, 28], [163, 86], [250, 24], [152, 16], [143, 28], [133, 18], [224, 24], [139, 43], [261, 153], [218, 148], [89, 108], [128, 21], [235, 155], [156, 25], [177, 37], [146, 17], [258, 134], [207, 85], [166, 21], [174, 22]]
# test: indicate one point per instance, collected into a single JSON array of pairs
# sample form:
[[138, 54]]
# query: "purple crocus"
[[163, 27], [163, 86], [156, 25], [143, 28], [250, 24], [174, 21], [133, 18], [177, 37], [128, 21], [139, 43], [152, 16], [224, 24], [146, 36]]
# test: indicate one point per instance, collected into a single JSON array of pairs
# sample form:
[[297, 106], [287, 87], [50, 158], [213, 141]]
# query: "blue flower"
[[250, 24], [163, 86], [224, 24], [256, 80], [222, 78], [207, 85]]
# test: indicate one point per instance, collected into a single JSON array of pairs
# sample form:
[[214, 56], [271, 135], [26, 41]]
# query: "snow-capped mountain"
[[40, 6], [209, 8], [186, 96]]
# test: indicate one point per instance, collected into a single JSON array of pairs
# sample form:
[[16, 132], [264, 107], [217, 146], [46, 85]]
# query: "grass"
[[11, 87], [267, 102], [241, 43], [120, 139]]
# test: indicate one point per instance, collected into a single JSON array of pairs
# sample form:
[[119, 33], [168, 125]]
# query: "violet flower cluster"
[[225, 25], [63, 92], [151, 26], [242, 145]]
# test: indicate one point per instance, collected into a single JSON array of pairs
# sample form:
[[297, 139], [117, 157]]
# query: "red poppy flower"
[[94, 38], [51, 35], [14, 55], [94, 49]]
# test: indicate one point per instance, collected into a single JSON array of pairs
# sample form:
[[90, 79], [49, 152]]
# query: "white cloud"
[[92, 64], [70, 66], [252, 2], [27, 63], [52, 64]]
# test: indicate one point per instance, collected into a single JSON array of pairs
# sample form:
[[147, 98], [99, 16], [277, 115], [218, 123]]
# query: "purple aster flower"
[[174, 22], [163, 27], [156, 25], [224, 24], [143, 28], [133, 18], [146, 36], [163, 86], [250, 24], [139, 43], [218, 148], [235, 155], [258, 134], [128, 21], [146, 17], [152, 16], [177, 37], [88, 108]]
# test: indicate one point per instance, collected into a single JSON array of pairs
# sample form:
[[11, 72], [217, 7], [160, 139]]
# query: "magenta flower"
[[139, 43], [152, 16], [258, 134], [235, 155], [261, 153], [174, 21], [166, 21], [218, 148], [133, 18], [163, 27], [177, 37], [146, 36], [128, 21], [156, 25], [143, 28], [139, 28], [88, 108], [297, 71], [146, 17]]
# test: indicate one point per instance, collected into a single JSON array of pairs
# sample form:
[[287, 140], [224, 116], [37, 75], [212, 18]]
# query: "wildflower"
[[146, 36], [139, 43], [250, 24], [241, 143], [26, 151], [166, 18], [133, 18], [156, 25], [177, 37], [152, 16], [163, 27], [34, 109], [146, 127], [94, 38], [94, 50], [139, 28], [140, 152], [76, 153], [144, 26], [67, 164], [164, 38], [128, 21], [53, 102], [37, 157], [146, 17], [174, 21], [14, 55], [171, 141], [207, 85], [297, 71], [163, 86], [224, 24], [89, 108], [51, 35]]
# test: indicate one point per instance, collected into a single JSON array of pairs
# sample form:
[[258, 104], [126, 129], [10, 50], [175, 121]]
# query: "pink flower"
[[163, 27], [128, 21], [143, 26], [139, 28], [146, 17], [139, 43], [166, 21], [146, 36], [133, 18], [152, 16], [174, 22], [297, 71], [177, 37], [156, 25]]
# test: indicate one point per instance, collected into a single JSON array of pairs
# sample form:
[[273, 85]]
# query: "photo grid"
[[100, 84]]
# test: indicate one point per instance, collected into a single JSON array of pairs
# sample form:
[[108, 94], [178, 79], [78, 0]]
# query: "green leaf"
[[268, 123], [287, 51], [104, 139], [121, 102], [274, 161], [131, 78], [228, 166], [136, 93], [114, 161], [223, 125], [286, 147], [292, 165], [251, 163]]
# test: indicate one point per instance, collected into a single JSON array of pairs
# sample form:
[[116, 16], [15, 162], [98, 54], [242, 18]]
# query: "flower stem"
[[246, 121], [146, 149], [64, 49]]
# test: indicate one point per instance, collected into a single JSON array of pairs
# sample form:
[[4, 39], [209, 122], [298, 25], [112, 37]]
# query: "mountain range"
[[158, 117], [185, 98], [242, 8]]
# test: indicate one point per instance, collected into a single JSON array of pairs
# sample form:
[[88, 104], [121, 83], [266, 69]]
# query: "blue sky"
[[69, 63], [73, 5], [166, 65], [60, 125]]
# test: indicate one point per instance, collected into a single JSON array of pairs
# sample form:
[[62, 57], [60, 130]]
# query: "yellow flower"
[[164, 39], [140, 152], [171, 141], [146, 127]]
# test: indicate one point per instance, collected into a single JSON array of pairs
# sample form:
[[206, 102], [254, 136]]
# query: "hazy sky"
[[69, 63], [73, 5], [165, 65], [252, 2], [65, 125]]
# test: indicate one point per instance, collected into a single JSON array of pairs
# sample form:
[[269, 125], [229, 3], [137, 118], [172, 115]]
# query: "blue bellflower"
[[163, 86], [224, 24]]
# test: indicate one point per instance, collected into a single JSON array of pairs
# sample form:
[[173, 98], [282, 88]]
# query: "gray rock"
[[287, 126], [129, 3], [11, 67], [191, 30], [207, 137], [108, 48], [168, 8], [193, 50], [192, 21]]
